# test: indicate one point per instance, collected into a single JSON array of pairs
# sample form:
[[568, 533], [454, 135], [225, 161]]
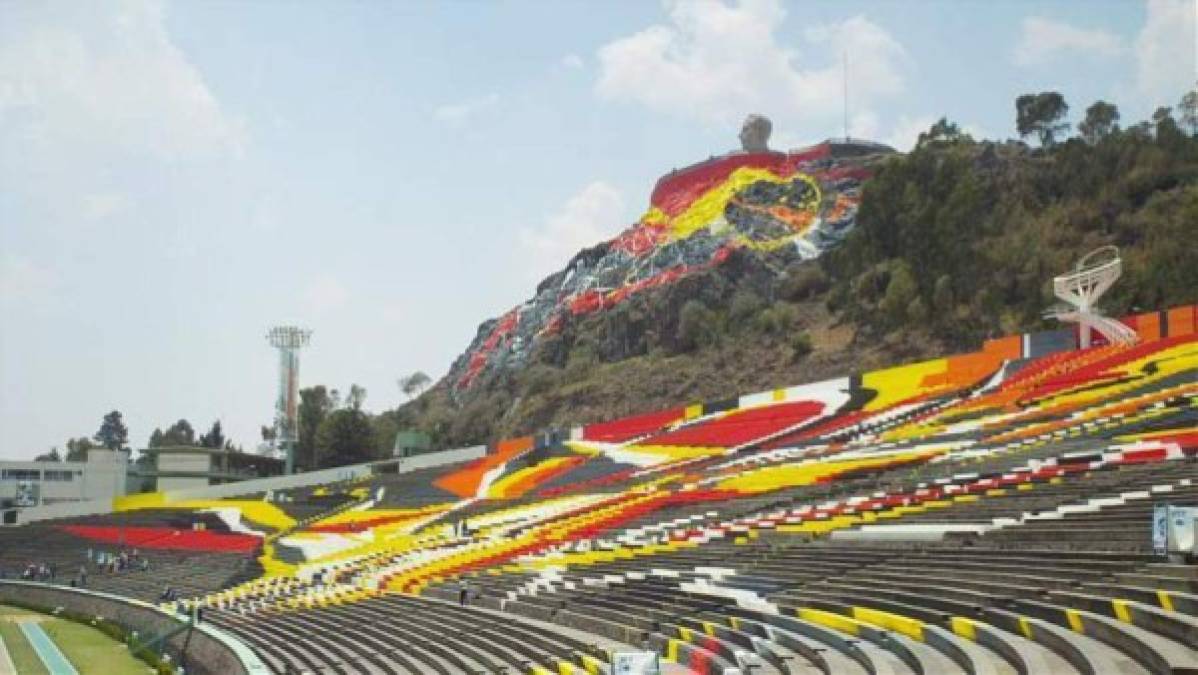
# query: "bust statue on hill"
[[755, 133]]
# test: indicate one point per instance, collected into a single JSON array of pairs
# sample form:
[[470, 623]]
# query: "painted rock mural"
[[804, 201]]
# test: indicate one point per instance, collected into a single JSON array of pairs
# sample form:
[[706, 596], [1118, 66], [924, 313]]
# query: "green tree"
[[345, 437], [981, 229], [51, 456], [1167, 131], [1189, 111], [1102, 118], [413, 385], [215, 438], [942, 295], [900, 292], [696, 326], [77, 448], [113, 433], [356, 397], [1041, 115], [384, 428], [744, 307], [179, 433], [942, 131], [315, 404]]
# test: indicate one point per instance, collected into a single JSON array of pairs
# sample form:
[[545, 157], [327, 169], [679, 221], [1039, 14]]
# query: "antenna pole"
[[845, 72]]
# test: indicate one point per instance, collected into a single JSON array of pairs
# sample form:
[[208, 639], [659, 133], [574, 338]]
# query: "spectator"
[[83, 576]]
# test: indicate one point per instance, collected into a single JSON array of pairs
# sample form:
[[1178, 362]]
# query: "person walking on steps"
[[463, 592]]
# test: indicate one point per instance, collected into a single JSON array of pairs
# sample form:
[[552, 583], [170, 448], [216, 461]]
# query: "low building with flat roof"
[[187, 467], [25, 484]]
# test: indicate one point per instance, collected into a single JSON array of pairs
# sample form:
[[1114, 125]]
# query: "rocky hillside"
[[760, 269]]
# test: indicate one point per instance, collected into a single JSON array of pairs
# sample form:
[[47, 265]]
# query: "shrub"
[[800, 346], [900, 293], [697, 326], [778, 319], [744, 308], [804, 282], [540, 378]]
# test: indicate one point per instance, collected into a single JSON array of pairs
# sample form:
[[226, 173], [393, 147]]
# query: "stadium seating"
[[982, 514]]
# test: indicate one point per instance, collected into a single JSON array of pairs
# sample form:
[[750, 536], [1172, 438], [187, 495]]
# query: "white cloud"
[[103, 205], [906, 131], [716, 62], [94, 78], [572, 62], [1166, 51], [460, 113], [394, 314], [324, 294], [23, 281], [1041, 39], [593, 215]]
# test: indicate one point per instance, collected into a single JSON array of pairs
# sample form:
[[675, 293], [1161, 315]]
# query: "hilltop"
[[759, 269]]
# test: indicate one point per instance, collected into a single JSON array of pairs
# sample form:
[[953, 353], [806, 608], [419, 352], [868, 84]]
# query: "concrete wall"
[[340, 473], [183, 463], [439, 458], [75, 510], [209, 650], [102, 476]]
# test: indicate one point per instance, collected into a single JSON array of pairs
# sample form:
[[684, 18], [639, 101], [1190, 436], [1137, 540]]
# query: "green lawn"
[[89, 650], [23, 656]]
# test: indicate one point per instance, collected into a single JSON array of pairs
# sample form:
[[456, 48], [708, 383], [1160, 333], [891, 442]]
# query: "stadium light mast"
[[288, 340]]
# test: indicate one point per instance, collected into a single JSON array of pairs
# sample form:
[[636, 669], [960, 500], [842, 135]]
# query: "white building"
[[26, 484]]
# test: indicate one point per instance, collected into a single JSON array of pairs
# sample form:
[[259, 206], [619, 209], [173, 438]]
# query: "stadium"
[[894, 503], [988, 512], [982, 513]]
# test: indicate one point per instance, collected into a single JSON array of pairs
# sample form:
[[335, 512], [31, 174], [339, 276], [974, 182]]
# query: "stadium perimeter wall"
[[204, 650]]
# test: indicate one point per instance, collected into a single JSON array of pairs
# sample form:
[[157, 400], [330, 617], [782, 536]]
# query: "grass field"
[[89, 650]]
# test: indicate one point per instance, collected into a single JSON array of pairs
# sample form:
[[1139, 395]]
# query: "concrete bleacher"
[[919, 521], [400, 634], [190, 573]]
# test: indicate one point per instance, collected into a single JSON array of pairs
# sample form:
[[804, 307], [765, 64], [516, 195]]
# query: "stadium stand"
[[988, 513]]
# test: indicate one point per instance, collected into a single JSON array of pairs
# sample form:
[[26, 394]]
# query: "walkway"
[[7, 667], [47, 651]]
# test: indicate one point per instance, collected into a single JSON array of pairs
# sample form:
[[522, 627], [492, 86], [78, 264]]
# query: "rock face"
[[756, 203]]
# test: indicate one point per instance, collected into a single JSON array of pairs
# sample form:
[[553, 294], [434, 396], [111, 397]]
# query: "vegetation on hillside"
[[956, 241], [964, 237]]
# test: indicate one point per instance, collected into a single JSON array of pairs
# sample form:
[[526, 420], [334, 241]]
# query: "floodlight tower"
[[1093, 275], [288, 340]]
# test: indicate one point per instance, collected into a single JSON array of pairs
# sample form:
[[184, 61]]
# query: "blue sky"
[[176, 177]]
